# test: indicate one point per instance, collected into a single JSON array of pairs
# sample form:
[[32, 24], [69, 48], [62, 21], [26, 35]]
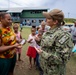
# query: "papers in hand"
[[23, 42]]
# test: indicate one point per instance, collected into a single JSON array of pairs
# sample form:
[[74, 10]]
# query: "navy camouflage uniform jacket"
[[56, 45]]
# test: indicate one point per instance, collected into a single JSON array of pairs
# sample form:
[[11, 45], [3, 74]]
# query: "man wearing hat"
[[56, 45]]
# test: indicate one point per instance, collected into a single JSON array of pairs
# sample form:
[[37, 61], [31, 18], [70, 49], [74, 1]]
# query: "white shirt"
[[33, 42]]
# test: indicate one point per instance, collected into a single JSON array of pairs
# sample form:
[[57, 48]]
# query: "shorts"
[[7, 65]]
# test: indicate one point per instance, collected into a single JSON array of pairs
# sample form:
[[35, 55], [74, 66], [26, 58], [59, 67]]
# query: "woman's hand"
[[17, 45]]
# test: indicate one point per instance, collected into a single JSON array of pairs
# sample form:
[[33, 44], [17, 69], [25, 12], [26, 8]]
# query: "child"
[[18, 38], [31, 50], [42, 27], [37, 30], [37, 47]]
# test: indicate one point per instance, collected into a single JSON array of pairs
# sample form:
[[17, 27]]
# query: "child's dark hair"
[[33, 26]]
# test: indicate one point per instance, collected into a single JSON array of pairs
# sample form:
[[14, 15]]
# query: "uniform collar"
[[54, 29]]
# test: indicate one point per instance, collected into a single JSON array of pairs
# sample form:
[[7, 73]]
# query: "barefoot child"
[[18, 38], [31, 53]]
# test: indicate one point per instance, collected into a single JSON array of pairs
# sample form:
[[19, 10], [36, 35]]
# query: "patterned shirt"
[[8, 38]]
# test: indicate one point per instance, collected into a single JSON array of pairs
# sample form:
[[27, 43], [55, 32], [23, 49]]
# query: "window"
[[40, 21], [33, 21], [35, 12]]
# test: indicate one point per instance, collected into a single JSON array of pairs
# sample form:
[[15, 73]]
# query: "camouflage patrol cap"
[[54, 12]]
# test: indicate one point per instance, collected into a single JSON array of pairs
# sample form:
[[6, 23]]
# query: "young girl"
[[18, 38], [37, 47], [31, 50]]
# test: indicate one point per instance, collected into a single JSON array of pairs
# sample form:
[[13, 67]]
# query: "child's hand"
[[38, 50], [37, 38], [40, 35]]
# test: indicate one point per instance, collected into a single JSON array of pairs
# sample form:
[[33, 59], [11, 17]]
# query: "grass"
[[22, 67]]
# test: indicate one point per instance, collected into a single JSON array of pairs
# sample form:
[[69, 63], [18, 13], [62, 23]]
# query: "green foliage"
[[69, 20]]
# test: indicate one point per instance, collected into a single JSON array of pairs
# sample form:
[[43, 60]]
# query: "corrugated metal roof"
[[1, 9], [15, 10], [20, 9], [35, 8]]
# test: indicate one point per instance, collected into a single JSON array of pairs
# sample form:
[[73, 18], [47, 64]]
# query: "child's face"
[[15, 28], [33, 31], [43, 26]]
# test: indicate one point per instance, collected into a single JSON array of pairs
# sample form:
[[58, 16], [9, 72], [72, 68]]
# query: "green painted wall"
[[32, 14]]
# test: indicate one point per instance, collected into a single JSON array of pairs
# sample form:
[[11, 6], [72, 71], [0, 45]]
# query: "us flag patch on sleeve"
[[63, 39]]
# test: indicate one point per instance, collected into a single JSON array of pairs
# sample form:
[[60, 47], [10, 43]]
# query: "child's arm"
[[38, 50], [20, 36], [38, 40], [29, 41]]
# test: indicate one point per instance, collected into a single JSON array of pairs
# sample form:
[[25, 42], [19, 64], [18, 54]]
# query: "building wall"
[[29, 17], [15, 17], [34, 17], [33, 21], [32, 14]]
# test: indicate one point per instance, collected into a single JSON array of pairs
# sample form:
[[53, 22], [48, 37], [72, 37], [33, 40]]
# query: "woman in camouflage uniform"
[[56, 45]]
